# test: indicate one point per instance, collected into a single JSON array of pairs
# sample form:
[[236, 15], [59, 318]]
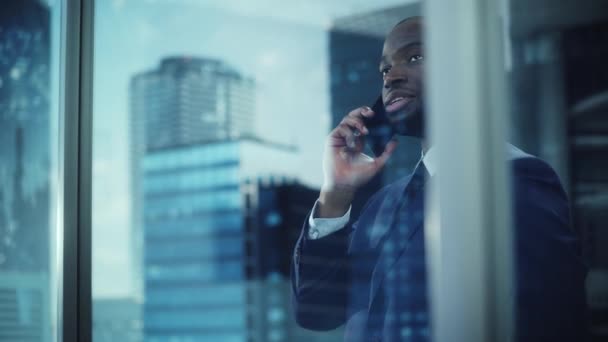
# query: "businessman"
[[371, 274]]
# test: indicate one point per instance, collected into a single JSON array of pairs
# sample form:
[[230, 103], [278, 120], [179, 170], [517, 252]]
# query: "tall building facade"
[[24, 174], [275, 210], [184, 101], [188, 100], [355, 48], [197, 248]]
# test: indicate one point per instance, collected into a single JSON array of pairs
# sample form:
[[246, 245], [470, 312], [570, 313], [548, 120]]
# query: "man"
[[371, 274]]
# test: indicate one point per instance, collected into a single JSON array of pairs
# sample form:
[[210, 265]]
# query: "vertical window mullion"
[[76, 58], [468, 230]]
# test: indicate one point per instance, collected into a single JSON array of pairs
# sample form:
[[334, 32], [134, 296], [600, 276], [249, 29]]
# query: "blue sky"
[[281, 44]]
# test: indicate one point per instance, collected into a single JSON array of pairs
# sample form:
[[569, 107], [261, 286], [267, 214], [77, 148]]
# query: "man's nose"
[[394, 77]]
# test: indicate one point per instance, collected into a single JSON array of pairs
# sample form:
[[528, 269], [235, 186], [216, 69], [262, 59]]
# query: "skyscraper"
[[275, 210], [186, 100], [197, 248], [189, 100]]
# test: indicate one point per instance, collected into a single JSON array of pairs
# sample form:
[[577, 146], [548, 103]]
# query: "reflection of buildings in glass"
[[24, 122], [196, 243], [117, 319], [24, 190], [25, 243], [275, 211], [24, 306], [355, 47], [560, 112], [186, 100]]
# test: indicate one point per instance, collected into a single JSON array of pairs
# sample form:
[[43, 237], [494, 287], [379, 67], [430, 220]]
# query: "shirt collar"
[[429, 159]]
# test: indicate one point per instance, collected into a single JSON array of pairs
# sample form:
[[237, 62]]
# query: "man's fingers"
[[361, 111], [355, 123], [344, 132]]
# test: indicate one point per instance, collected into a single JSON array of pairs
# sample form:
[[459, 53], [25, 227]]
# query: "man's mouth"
[[398, 103]]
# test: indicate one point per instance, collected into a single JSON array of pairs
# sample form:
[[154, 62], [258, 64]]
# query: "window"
[[30, 149]]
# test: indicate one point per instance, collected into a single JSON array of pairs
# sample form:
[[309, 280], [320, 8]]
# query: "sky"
[[281, 44]]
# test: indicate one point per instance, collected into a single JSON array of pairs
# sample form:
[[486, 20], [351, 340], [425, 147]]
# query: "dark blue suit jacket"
[[371, 275]]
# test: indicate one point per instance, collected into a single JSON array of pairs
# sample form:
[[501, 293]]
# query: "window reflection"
[[559, 113], [28, 144]]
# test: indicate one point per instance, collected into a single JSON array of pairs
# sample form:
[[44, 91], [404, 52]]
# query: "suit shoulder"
[[528, 166], [530, 172]]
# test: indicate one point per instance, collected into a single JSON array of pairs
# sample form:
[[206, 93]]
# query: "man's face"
[[402, 68]]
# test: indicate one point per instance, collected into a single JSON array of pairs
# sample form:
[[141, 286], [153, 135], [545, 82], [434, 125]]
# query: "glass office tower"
[[194, 237], [185, 100]]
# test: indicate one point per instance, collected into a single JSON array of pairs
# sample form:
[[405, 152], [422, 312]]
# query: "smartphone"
[[380, 129]]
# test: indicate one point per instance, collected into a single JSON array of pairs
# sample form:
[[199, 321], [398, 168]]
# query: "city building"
[[197, 248], [185, 100], [188, 100], [275, 211], [25, 307]]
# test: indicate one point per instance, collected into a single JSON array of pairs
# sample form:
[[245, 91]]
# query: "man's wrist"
[[334, 202]]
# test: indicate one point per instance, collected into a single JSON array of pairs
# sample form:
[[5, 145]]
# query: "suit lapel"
[[386, 213]]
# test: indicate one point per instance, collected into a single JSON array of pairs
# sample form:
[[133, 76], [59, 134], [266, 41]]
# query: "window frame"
[[75, 174]]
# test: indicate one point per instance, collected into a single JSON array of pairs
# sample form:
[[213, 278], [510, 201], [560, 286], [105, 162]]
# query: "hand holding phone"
[[345, 165]]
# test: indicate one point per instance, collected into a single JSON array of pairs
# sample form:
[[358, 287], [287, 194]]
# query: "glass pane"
[[29, 134], [210, 121], [559, 113]]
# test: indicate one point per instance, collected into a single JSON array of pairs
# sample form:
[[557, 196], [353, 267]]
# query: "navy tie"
[[402, 298]]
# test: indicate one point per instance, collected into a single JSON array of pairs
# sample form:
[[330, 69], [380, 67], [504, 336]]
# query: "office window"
[[209, 125], [558, 112], [210, 122], [29, 173]]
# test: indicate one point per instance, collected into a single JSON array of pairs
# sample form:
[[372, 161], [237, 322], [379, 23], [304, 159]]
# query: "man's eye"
[[416, 58], [385, 71]]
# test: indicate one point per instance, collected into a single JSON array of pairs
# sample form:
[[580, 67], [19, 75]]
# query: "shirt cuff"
[[320, 227]]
